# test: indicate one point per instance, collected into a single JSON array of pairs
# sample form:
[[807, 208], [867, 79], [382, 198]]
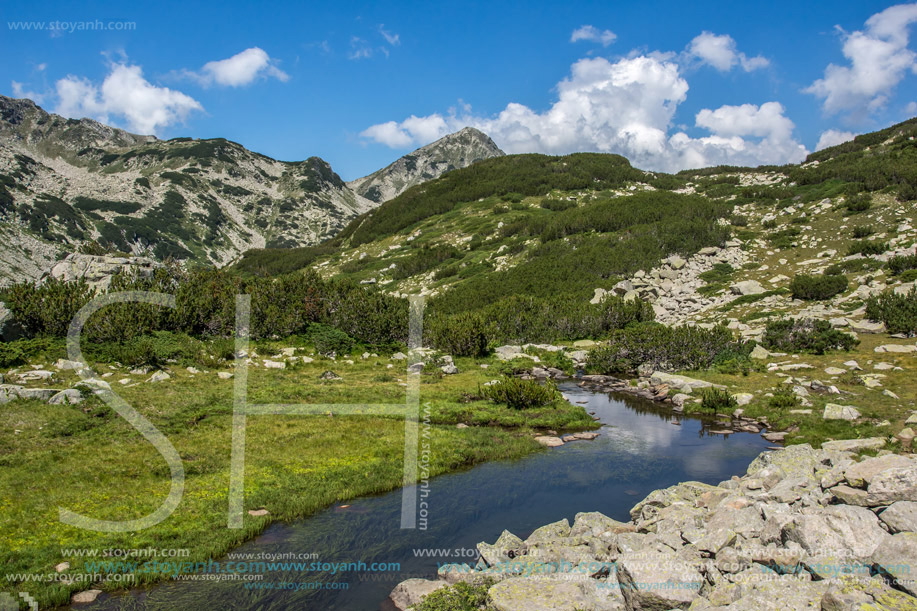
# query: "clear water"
[[641, 448]]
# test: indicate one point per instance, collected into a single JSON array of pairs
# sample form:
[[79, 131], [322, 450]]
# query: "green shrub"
[[523, 319], [662, 348], [863, 231], [11, 354], [866, 248], [834, 270], [154, 350], [898, 312], [328, 340], [717, 399], [734, 361], [47, 309], [902, 263], [784, 238], [783, 399], [716, 278], [459, 335], [738, 220], [557, 205], [825, 286], [769, 224], [459, 597], [858, 203], [806, 336], [520, 394]]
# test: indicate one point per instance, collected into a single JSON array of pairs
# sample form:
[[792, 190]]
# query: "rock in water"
[[411, 592]]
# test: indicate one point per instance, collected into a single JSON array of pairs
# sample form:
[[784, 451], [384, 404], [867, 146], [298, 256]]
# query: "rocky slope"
[[802, 529], [457, 150], [65, 183]]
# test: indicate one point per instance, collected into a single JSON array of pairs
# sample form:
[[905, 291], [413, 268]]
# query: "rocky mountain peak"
[[23, 121], [451, 152]]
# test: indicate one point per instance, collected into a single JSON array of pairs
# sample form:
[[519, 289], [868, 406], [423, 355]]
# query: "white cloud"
[[747, 120], [833, 137], [124, 93], [359, 49], [390, 38], [593, 34], [624, 107], [879, 60], [410, 131], [20, 91], [720, 52], [241, 69], [911, 108]]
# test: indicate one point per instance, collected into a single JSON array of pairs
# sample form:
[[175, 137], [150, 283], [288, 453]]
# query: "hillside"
[[67, 183], [546, 226], [455, 151]]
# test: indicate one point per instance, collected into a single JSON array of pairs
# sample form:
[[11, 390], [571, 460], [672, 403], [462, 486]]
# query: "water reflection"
[[639, 450]]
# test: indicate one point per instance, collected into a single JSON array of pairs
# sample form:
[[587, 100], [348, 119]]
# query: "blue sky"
[[667, 84]]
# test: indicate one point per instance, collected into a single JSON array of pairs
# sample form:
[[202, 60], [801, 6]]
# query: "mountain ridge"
[[74, 184], [454, 151]]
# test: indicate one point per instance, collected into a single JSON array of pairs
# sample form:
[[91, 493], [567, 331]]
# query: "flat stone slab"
[[528, 594], [854, 445], [657, 581], [892, 485], [673, 381], [860, 474], [549, 441], [897, 348], [895, 554], [834, 411], [411, 592], [900, 516]]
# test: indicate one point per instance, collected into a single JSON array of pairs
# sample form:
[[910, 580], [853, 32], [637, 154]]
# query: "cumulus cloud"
[[833, 137], [720, 52], [410, 131], [878, 60], [125, 94], [241, 69], [623, 107], [20, 91], [593, 34]]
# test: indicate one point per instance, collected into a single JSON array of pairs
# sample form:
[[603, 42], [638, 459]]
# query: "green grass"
[[87, 459], [872, 403]]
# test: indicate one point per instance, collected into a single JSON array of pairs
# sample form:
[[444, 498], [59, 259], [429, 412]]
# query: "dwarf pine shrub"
[[805, 335], [518, 393], [463, 334], [898, 312], [825, 286]]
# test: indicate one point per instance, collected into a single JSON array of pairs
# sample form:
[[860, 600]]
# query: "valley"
[[770, 307]]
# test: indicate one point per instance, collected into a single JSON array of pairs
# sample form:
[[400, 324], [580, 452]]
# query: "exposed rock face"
[[99, 270], [781, 537], [452, 152], [10, 329], [67, 182]]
